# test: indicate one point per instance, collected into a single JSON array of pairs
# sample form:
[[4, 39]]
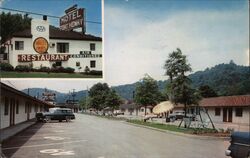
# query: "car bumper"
[[228, 152]]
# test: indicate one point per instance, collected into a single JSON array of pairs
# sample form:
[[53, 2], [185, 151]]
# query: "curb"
[[180, 134]]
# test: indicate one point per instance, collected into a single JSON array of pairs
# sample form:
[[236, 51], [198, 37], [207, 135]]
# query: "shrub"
[[63, 70], [23, 68], [94, 72], [69, 70], [44, 69], [6, 67], [86, 70]]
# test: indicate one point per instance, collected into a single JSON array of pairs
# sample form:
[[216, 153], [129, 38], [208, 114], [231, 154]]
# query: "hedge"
[[6, 67]]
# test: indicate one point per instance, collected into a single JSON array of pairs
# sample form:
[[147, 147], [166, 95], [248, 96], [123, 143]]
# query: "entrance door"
[[12, 112], [230, 114], [227, 114]]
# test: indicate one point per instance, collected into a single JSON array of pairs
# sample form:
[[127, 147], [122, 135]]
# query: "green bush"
[[69, 70], [94, 72], [6, 67], [44, 69], [23, 68], [62, 70]]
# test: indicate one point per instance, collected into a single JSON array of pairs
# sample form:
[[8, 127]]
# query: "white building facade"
[[17, 107], [47, 46]]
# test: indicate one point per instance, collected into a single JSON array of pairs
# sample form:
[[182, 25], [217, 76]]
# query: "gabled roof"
[[56, 33], [13, 90], [241, 100], [224, 101]]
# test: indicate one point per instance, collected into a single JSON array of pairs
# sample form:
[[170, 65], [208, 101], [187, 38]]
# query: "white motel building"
[[62, 48], [17, 107]]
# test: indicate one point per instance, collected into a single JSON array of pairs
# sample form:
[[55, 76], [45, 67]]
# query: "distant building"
[[235, 109], [47, 46], [17, 107], [222, 110], [131, 108]]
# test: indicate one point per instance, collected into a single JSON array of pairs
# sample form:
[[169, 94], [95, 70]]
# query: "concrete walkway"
[[13, 130]]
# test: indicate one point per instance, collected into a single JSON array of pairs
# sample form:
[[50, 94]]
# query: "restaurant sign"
[[54, 57], [42, 57], [73, 19]]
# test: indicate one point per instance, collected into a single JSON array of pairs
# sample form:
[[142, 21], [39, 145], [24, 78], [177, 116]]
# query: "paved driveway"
[[93, 137]]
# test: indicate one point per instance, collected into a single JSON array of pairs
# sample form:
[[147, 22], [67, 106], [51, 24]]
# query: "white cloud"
[[1, 3], [135, 45]]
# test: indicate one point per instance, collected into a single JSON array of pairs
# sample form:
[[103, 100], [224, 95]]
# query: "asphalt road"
[[93, 137]]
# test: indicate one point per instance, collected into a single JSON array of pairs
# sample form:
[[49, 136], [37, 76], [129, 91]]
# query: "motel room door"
[[227, 114], [27, 109], [12, 111]]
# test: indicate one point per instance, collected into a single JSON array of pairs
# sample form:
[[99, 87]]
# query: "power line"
[[52, 16]]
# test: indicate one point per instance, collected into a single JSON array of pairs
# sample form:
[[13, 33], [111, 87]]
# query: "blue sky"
[[57, 7], [139, 35]]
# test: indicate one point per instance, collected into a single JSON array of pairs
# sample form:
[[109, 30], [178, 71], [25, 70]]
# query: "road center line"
[[31, 146]]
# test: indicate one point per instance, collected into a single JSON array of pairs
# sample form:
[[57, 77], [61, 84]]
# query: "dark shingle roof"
[[56, 33], [13, 90]]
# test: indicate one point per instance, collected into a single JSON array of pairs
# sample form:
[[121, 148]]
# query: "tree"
[[113, 100], [11, 23], [146, 92], [98, 94], [84, 103], [207, 91], [179, 88]]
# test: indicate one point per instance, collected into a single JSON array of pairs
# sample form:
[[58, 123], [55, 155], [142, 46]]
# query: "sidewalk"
[[13, 130]]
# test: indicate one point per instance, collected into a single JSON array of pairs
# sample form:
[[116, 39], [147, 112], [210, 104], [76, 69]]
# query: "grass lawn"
[[163, 126], [5, 74], [195, 131]]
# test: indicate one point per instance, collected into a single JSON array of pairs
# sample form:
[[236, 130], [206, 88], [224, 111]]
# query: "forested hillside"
[[224, 79]]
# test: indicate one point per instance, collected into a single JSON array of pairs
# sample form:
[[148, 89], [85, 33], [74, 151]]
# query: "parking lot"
[[93, 137]]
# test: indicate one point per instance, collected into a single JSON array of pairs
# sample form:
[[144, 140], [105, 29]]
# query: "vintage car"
[[240, 145], [178, 115], [56, 114]]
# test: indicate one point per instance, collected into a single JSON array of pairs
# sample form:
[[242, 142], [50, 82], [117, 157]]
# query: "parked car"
[[240, 145], [118, 113], [179, 115], [56, 114]]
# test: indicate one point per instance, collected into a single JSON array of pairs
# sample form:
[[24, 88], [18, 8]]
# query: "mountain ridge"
[[225, 79]]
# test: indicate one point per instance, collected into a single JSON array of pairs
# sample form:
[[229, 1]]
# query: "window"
[[92, 63], [58, 63], [17, 107], [238, 112], [92, 46], [217, 111], [6, 106], [77, 63], [18, 45], [62, 47]]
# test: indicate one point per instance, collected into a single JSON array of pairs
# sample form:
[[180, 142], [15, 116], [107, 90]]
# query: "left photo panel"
[[51, 39]]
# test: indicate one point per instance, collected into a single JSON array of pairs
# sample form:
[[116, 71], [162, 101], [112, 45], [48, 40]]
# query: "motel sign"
[[73, 19]]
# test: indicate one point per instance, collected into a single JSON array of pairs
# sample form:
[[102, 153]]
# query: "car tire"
[[47, 119]]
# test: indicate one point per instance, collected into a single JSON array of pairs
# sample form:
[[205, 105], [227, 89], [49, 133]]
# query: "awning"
[[163, 107]]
